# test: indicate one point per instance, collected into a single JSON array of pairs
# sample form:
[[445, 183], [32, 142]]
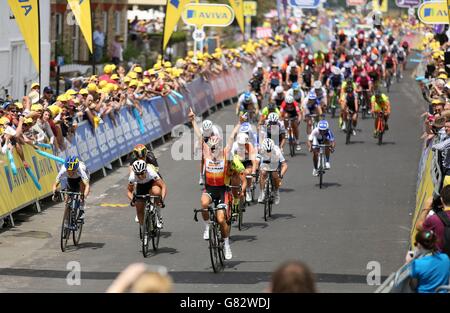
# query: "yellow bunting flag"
[[26, 14], [81, 9], [174, 9], [238, 7]]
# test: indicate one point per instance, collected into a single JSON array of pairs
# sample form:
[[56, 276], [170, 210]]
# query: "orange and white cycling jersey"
[[215, 172]]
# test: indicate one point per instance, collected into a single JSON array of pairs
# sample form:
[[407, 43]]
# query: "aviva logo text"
[[433, 12]]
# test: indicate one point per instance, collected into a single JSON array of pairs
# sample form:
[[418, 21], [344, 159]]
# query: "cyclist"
[[271, 158], [307, 77], [247, 103], [334, 83], [290, 110], [349, 107], [310, 106], [296, 92], [270, 108], [278, 96], [208, 130], [292, 73], [140, 152], [363, 87], [251, 132], [255, 85], [380, 102], [321, 95], [401, 60], [144, 180], [269, 129], [77, 180], [274, 78], [390, 66], [375, 74], [322, 134], [247, 155]]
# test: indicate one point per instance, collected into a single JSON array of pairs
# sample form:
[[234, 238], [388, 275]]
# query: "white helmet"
[[289, 99], [302, 46], [279, 89], [259, 64], [139, 166], [272, 117], [268, 145], [317, 84], [242, 138], [207, 127], [335, 70], [293, 64]]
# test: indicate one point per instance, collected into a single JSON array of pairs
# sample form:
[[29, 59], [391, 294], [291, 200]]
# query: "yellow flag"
[[81, 9], [238, 7], [27, 18], [174, 9]]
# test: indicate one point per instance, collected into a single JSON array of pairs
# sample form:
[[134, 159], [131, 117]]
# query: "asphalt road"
[[362, 215]]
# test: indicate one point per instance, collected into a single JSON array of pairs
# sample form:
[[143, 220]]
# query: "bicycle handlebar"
[[209, 210], [150, 197]]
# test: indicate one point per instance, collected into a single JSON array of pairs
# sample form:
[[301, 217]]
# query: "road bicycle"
[[150, 229], [71, 223]]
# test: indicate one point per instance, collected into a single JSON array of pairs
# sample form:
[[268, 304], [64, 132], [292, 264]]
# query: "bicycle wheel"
[[291, 147], [65, 231], [348, 133], [214, 249], [146, 226], [156, 232], [380, 138], [320, 179], [78, 228], [388, 83], [240, 216]]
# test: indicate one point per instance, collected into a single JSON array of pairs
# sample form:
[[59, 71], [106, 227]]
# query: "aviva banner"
[[238, 7], [205, 14], [173, 14], [433, 12], [26, 14], [81, 9], [17, 190]]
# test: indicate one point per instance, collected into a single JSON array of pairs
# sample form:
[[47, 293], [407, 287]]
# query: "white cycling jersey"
[[271, 161], [298, 96], [254, 100], [81, 172], [243, 153], [151, 175]]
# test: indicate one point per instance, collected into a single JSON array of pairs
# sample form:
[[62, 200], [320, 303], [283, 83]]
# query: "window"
[[75, 43]]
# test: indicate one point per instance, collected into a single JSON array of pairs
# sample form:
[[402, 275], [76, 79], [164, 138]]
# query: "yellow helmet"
[[55, 110], [115, 77], [102, 83], [157, 66], [141, 84], [113, 67], [92, 87], [132, 75], [37, 107], [146, 81], [83, 91], [19, 105], [133, 83], [126, 79], [4, 120], [71, 92], [167, 64], [107, 69], [110, 86], [62, 98], [138, 69], [191, 54]]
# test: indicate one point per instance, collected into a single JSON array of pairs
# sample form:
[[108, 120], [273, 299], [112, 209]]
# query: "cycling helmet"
[[207, 127], [273, 118], [293, 64], [140, 151], [378, 93], [268, 145], [323, 125], [259, 65], [139, 166], [289, 99], [295, 86], [317, 84], [335, 70], [72, 163], [271, 106], [242, 138], [247, 96], [312, 96], [245, 127], [279, 89], [302, 46]]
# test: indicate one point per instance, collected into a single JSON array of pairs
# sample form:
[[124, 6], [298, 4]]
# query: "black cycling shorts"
[[217, 193], [73, 184], [247, 163], [144, 189]]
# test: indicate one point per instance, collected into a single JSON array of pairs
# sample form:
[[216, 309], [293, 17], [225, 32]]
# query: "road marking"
[[114, 205]]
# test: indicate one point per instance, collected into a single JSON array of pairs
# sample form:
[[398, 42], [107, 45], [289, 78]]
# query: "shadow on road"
[[246, 226], [286, 190], [247, 238], [281, 215], [91, 245], [326, 185]]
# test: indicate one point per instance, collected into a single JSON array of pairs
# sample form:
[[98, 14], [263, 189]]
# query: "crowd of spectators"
[[53, 119]]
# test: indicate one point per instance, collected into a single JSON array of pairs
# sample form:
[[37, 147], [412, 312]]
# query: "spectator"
[[292, 277], [48, 97], [141, 278], [99, 43], [117, 50], [428, 268], [435, 221]]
